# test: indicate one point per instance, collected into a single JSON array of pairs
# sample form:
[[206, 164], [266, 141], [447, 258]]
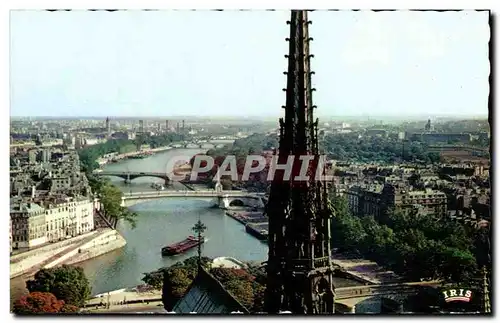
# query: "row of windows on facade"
[[23, 236], [18, 221], [407, 201], [53, 224], [409, 195], [404, 198], [47, 212]]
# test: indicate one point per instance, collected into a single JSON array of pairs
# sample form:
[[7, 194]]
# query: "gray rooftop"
[[206, 295]]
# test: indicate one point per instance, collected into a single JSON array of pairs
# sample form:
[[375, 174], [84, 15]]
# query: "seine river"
[[159, 223]]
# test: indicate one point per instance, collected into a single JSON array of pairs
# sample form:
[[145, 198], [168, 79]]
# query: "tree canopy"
[[110, 197], [415, 247], [67, 283], [345, 147], [42, 303]]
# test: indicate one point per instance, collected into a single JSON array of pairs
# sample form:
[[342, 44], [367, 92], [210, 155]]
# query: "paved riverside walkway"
[[123, 297], [67, 250], [62, 247], [364, 269], [140, 308], [19, 255]]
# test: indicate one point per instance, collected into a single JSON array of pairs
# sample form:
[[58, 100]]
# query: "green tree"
[[175, 285], [191, 265], [378, 238], [154, 279], [67, 283], [457, 266], [340, 206], [350, 234], [482, 246], [110, 197], [414, 246]]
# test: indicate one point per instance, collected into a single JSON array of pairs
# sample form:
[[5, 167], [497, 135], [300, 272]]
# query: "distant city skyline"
[[214, 64]]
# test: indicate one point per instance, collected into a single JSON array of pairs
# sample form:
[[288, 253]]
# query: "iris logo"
[[461, 295]]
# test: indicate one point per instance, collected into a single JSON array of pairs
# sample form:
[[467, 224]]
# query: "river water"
[[161, 222]]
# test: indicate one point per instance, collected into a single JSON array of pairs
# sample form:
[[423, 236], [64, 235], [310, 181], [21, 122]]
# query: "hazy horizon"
[[265, 118], [175, 64]]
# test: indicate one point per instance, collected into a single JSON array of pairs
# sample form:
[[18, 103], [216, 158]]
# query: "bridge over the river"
[[201, 142], [224, 199], [376, 298], [129, 176]]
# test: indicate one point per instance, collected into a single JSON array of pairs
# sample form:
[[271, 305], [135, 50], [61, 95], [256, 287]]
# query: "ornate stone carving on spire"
[[299, 268]]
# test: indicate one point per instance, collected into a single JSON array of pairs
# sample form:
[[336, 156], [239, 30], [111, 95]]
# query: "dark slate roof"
[[206, 295]]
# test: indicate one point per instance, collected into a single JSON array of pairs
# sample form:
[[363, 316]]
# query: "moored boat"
[[258, 230], [182, 246], [157, 186], [141, 156]]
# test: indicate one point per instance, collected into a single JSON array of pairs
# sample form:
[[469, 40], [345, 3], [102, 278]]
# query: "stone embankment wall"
[[69, 251], [105, 243], [23, 262]]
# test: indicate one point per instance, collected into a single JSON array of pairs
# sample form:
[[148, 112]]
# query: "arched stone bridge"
[[201, 144], [378, 298], [129, 176], [223, 199]]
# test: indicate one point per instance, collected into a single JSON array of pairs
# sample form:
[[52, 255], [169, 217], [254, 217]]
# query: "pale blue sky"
[[175, 63]]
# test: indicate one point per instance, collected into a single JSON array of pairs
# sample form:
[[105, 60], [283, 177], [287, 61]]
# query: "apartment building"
[[28, 224], [374, 200], [39, 221]]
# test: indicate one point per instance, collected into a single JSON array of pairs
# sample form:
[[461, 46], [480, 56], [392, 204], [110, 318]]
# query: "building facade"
[[36, 223], [28, 225], [375, 200]]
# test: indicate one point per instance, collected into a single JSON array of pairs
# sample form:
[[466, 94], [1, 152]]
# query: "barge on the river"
[[182, 246], [141, 156], [258, 230]]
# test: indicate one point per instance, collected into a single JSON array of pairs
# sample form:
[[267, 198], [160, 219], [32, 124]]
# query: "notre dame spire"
[[299, 269]]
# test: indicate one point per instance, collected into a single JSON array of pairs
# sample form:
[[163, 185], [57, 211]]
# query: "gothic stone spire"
[[299, 267]]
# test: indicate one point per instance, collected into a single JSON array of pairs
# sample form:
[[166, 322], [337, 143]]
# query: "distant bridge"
[[129, 176], [224, 199], [201, 142]]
